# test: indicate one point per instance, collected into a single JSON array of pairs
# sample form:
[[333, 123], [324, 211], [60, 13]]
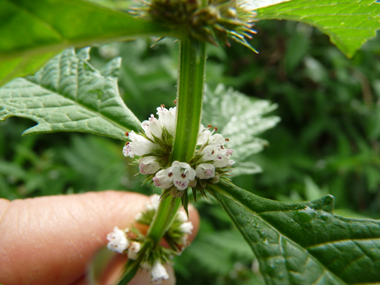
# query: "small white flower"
[[204, 135], [138, 146], [167, 118], [181, 215], [148, 165], [154, 202], [117, 240], [217, 139], [159, 272], [152, 127], [186, 227], [182, 174], [133, 250], [163, 178], [205, 171], [218, 155]]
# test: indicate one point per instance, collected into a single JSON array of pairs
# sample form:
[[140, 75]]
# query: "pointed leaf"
[[304, 243], [32, 31], [349, 23], [69, 95], [239, 118]]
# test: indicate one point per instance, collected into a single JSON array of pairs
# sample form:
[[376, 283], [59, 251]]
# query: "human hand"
[[51, 240]]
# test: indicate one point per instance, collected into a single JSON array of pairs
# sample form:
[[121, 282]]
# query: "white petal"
[[159, 272], [117, 240], [148, 165], [181, 215], [133, 250], [205, 171], [186, 228], [163, 178], [167, 118]]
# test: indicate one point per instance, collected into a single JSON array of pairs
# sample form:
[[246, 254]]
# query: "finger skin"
[[50, 240]]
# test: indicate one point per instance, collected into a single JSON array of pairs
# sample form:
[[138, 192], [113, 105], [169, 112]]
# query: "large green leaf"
[[32, 30], [304, 243], [241, 119], [69, 95], [349, 23]]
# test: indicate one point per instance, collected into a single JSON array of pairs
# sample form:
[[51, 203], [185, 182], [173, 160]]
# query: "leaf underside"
[[349, 23], [33, 31], [241, 119], [304, 243], [69, 95]]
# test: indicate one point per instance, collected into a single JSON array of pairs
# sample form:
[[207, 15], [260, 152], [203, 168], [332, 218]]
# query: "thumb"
[[50, 240]]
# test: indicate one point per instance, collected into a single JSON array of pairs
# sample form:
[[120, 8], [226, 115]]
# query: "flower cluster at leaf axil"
[[131, 241], [211, 161]]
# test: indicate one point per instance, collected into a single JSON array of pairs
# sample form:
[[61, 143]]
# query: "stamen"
[[183, 175], [175, 102], [227, 140], [162, 106], [215, 129], [170, 174], [126, 134], [209, 126]]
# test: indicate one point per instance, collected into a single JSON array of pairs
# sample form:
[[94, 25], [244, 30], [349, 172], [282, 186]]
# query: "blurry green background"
[[326, 143]]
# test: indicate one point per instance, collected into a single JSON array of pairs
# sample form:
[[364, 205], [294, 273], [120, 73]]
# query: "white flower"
[[159, 272], [181, 215], [138, 146], [148, 165], [164, 178], [133, 250], [218, 155], [204, 135], [117, 240], [154, 202], [182, 174], [205, 171], [167, 118], [186, 227], [217, 139], [152, 127]]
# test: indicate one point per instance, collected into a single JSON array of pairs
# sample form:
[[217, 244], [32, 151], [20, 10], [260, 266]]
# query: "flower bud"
[[163, 178], [205, 171], [133, 250], [148, 165]]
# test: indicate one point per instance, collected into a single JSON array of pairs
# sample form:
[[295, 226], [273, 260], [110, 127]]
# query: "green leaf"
[[69, 95], [33, 31], [349, 23], [240, 119], [304, 243]]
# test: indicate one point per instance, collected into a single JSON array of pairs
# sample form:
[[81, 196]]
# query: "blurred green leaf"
[[68, 94], [33, 31], [349, 23], [240, 119], [304, 243]]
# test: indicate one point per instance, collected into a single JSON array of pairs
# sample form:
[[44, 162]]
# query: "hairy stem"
[[189, 100]]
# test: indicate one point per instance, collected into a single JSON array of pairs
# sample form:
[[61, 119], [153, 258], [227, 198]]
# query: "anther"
[[170, 174], [175, 102], [227, 140], [215, 129], [126, 134], [183, 175], [162, 106], [209, 126]]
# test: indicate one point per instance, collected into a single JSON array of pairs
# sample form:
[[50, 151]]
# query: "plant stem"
[[189, 99]]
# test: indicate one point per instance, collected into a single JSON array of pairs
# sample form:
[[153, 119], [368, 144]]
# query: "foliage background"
[[327, 141]]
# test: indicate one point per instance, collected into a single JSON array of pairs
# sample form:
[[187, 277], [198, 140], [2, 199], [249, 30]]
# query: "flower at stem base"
[[159, 272], [117, 240]]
